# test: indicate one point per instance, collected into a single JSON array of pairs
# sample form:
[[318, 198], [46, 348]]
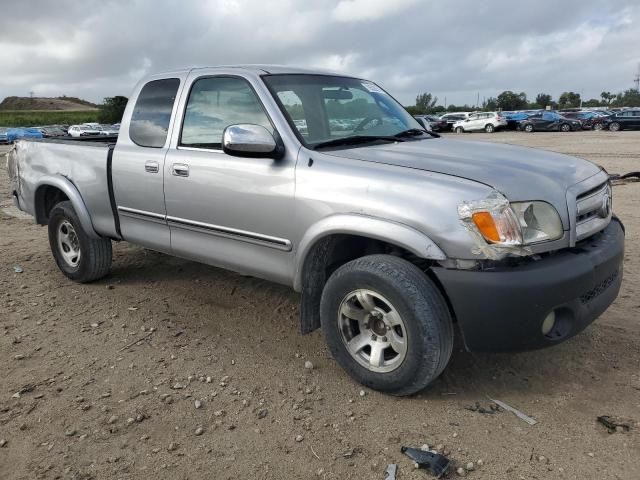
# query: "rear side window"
[[152, 113]]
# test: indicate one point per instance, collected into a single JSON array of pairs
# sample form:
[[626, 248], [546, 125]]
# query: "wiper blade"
[[414, 132], [355, 140]]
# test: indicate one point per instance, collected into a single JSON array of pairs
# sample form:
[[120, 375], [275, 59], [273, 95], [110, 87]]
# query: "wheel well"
[[47, 197], [330, 253]]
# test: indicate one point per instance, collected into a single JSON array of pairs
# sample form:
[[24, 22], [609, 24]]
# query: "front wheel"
[[78, 256], [459, 130], [565, 127], [528, 128], [387, 324], [614, 126]]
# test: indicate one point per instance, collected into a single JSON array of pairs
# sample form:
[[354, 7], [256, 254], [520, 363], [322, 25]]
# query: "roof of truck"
[[258, 68]]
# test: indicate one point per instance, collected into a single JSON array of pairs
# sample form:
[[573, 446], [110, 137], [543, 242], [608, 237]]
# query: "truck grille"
[[593, 211]]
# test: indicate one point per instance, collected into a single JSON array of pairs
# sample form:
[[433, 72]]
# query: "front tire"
[[387, 324], [528, 128], [614, 126], [565, 127], [80, 257], [459, 130]]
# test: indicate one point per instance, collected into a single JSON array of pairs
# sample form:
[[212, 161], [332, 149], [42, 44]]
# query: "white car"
[[83, 131], [487, 121]]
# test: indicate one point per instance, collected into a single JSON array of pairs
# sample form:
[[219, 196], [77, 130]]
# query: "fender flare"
[[69, 189], [396, 233]]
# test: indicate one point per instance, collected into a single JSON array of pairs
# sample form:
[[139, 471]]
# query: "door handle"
[[151, 166], [180, 170]]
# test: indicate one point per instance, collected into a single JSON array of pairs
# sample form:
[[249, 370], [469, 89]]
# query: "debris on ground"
[[615, 424], [492, 408], [515, 411], [391, 471], [18, 269], [434, 462]]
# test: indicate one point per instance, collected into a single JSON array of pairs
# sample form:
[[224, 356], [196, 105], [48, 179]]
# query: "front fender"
[[395, 233], [65, 185]]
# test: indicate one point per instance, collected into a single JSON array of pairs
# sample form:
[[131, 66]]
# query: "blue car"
[[514, 119], [3, 135], [14, 134]]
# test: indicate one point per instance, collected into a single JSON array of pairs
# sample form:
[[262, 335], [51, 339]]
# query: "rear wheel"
[[78, 256], [489, 128], [386, 324], [598, 126], [528, 128], [614, 126], [459, 130], [565, 127]]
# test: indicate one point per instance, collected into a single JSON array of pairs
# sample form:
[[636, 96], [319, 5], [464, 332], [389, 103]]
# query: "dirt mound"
[[45, 103]]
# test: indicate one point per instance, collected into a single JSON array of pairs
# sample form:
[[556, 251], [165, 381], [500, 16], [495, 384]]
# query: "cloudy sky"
[[456, 50]]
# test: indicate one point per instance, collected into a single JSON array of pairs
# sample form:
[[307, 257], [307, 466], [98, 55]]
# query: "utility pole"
[[636, 80]]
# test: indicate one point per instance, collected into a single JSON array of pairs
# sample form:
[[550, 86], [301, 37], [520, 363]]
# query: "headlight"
[[539, 221], [505, 224]]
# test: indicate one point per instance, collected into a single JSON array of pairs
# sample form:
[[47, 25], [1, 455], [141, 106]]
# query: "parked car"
[[83, 131], [435, 124], [587, 119], [3, 135], [388, 232], [109, 130], [624, 120], [52, 131], [481, 121], [548, 122], [14, 134], [454, 117], [514, 118]]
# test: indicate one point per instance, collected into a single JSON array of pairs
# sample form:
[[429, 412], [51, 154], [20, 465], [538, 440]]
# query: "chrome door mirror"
[[248, 140]]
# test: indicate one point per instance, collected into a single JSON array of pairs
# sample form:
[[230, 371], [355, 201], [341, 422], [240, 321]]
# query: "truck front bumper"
[[504, 309]]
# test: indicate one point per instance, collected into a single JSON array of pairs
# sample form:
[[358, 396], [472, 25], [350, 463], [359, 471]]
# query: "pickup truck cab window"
[[322, 108], [215, 103], [152, 113]]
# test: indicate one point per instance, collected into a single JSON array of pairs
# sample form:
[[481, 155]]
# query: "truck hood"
[[520, 173]]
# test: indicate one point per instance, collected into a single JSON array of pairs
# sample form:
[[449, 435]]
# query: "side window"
[[152, 113], [636, 113], [548, 116], [215, 103]]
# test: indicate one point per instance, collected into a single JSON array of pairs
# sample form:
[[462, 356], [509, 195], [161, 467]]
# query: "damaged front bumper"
[[503, 309]]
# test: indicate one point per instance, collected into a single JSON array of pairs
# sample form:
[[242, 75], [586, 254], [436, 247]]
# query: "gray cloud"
[[456, 50]]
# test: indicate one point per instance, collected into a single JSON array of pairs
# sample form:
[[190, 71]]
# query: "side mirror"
[[248, 140]]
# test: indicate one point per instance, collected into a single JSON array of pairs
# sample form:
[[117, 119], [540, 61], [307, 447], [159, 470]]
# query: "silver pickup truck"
[[326, 184]]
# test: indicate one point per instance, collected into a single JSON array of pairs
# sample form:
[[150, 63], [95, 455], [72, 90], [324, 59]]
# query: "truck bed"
[[84, 161]]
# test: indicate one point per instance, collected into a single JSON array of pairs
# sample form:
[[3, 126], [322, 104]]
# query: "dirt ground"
[[91, 407]]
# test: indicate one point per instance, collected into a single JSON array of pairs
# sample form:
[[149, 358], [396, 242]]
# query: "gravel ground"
[[217, 386]]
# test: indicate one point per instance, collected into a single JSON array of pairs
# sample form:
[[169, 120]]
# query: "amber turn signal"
[[486, 226]]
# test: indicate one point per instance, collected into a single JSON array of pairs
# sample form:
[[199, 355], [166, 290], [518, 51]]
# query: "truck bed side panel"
[[82, 163]]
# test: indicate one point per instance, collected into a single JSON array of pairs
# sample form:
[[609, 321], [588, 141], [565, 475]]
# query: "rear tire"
[[614, 126], [489, 128], [387, 324], [528, 128], [80, 257], [459, 130], [565, 127]]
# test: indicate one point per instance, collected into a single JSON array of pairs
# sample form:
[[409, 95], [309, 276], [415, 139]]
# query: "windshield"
[[324, 108]]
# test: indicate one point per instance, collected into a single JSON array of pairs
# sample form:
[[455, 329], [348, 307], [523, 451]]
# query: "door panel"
[[137, 168], [228, 211]]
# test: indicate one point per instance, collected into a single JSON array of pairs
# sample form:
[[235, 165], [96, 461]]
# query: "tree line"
[[426, 103]]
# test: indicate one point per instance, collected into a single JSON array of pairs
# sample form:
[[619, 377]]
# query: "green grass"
[[33, 118]]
